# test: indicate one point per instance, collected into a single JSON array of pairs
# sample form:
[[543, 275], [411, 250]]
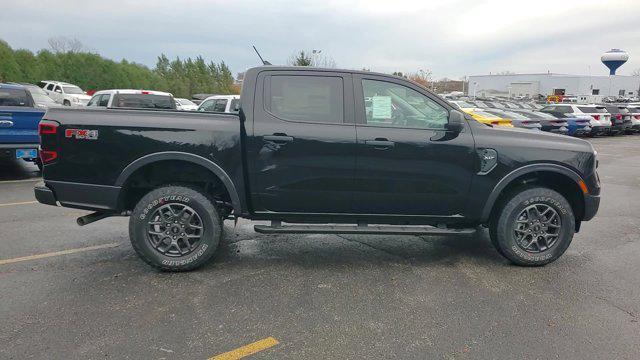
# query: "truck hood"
[[543, 140]]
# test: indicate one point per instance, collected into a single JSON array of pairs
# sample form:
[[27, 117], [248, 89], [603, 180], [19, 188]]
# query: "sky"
[[450, 38]]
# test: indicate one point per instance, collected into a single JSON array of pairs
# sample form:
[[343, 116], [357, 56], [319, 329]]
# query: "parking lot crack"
[[611, 303], [372, 247]]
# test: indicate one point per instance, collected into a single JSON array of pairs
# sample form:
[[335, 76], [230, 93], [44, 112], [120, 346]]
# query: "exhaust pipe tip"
[[93, 217]]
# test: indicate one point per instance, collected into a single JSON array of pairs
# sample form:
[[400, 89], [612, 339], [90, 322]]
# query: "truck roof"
[[131, 91], [318, 69], [12, 86]]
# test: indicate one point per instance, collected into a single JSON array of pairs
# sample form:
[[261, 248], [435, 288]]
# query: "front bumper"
[[591, 205]]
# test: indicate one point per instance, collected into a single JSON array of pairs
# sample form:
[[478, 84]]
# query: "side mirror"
[[456, 121]]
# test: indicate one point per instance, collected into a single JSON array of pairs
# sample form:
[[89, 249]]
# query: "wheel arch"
[[558, 177], [214, 168]]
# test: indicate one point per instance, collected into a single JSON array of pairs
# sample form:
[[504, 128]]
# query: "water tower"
[[613, 59]]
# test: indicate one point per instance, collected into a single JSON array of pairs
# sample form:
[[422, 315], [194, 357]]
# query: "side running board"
[[277, 228]]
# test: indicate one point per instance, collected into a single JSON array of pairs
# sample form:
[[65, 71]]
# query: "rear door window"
[[206, 106], [104, 100], [220, 105], [306, 98], [235, 105]]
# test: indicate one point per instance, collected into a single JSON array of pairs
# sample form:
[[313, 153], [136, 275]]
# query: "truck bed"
[[97, 165]]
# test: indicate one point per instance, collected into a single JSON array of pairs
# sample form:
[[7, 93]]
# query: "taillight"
[[48, 156], [48, 131], [637, 117], [619, 116], [597, 117], [47, 128]]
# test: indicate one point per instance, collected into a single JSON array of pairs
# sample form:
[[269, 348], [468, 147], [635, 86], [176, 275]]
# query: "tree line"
[[69, 61]]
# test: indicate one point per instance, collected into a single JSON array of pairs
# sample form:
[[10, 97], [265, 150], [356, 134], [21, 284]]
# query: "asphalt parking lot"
[[319, 296]]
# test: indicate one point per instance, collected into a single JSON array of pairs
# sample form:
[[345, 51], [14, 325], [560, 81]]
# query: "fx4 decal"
[[81, 134]]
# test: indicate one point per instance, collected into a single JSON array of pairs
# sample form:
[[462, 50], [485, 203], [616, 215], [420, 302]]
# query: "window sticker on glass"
[[381, 107]]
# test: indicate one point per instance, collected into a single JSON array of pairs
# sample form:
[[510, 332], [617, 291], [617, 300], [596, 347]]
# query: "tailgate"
[[19, 125]]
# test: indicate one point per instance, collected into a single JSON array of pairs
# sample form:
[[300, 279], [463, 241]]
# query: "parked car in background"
[[620, 118], [65, 93], [486, 118], [19, 118], [635, 118], [547, 123], [40, 97], [517, 120], [185, 104], [600, 121], [221, 103], [133, 99]]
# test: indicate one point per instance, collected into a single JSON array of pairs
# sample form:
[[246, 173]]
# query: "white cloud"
[[452, 38]]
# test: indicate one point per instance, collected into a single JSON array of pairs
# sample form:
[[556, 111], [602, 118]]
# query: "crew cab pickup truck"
[[318, 151]]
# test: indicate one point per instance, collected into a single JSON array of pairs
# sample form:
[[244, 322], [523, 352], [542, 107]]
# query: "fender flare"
[[527, 169], [192, 158]]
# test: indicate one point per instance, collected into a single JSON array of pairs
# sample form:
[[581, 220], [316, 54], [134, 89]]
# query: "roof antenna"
[[261, 59]]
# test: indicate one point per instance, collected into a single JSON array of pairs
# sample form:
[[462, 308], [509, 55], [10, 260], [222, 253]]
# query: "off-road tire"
[[504, 238], [181, 197]]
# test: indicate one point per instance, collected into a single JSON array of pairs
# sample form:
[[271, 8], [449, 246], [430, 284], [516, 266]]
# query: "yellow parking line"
[[20, 181], [247, 350], [58, 253], [19, 203]]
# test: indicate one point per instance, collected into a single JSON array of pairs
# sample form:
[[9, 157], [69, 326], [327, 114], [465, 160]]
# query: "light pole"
[[475, 87]]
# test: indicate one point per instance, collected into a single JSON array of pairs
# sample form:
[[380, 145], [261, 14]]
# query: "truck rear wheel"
[[175, 228], [533, 227]]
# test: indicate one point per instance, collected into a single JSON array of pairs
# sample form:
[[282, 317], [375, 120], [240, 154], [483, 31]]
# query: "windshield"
[[185, 102], [73, 90], [485, 114], [591, 109], [463, 104], [13, 97], [515, 116], [541, 115], [40, 96]]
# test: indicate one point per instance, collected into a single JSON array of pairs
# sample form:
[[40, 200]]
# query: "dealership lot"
[[320, 296]]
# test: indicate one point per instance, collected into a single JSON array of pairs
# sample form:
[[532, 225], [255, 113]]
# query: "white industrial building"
[[532, 85]]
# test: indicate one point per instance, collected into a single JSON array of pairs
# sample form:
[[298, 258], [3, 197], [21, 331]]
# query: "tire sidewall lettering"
[[188, 260], [161, 201]]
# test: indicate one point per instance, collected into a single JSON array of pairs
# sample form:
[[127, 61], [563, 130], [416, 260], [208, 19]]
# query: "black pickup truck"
[[318, 151]]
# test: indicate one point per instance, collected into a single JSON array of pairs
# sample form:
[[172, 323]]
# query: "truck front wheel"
[[175, 228], [533, 227]]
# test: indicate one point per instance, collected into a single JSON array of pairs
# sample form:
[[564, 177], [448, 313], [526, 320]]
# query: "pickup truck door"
[[301, 155], [407, 163]]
